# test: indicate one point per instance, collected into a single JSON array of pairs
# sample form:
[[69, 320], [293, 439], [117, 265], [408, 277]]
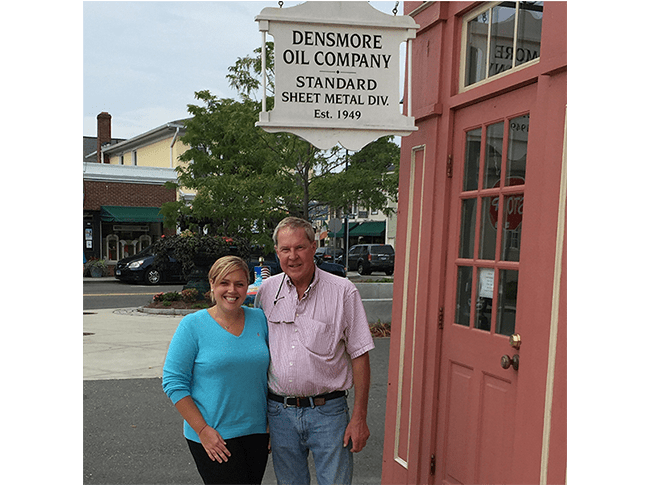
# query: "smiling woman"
[[215, 373]]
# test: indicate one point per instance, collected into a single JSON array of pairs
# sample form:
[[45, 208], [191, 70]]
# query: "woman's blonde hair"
[[224, 266]]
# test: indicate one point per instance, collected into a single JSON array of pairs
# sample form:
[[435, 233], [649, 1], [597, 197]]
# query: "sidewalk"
[[126, 344], [133, 433], [88, 279]]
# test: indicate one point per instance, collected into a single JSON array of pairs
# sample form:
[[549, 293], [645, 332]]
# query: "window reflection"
[[502, 32], [473, 153], [484, 304], [468, 218], [512, 227], [464, 295], [493, 155], [476, 49], [488, 227], [516, 157], [507, 299], [529, 30]]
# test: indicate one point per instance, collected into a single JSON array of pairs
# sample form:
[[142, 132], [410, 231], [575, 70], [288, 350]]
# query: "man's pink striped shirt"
[[312, 341]]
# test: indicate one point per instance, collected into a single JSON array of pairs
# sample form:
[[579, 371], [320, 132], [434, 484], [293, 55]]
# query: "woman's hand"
[[214, 444]]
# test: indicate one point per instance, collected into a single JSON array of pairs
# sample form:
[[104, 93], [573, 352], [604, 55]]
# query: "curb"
[[167, 311]]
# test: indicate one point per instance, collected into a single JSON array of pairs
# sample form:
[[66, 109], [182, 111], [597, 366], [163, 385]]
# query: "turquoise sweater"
[[225, 375]]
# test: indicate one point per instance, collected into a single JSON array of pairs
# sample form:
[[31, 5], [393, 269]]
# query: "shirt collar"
[[313, 283]]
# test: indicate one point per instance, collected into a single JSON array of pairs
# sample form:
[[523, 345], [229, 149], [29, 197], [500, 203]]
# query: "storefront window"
[[501, 36], [129, 248], [124, 240], [111, 247], [143, 242]]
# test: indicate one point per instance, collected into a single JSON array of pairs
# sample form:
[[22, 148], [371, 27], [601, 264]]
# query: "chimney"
[[103, 132]]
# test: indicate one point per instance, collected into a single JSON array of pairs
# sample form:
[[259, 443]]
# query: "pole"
[[346, 211], [346, 240]]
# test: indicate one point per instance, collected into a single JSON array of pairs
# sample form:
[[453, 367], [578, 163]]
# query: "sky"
[[143, 61]]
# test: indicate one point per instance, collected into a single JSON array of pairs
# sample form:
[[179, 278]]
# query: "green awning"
[[371, 228], [118, 213], [340, 233]]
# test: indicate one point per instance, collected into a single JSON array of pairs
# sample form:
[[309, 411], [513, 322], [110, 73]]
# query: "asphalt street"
[[110, 293]]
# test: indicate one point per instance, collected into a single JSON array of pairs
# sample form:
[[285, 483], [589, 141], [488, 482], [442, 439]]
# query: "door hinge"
[[432, 465], [449, 167], [441, 317]]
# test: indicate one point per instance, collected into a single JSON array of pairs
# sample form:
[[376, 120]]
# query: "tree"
[[237, 180], [246, 179], [369, 177]]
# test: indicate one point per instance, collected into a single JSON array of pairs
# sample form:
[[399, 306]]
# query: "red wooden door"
[[479, 398]]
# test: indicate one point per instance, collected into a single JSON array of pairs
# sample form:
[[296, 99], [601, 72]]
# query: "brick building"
[[123, 193]]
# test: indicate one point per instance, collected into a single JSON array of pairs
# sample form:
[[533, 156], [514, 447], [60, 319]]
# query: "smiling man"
[[319, 340]]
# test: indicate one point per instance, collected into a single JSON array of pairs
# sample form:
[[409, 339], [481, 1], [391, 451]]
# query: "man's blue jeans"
[[320, 429]]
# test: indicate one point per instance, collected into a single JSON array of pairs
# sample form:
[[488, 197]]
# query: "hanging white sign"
[[337, 73]]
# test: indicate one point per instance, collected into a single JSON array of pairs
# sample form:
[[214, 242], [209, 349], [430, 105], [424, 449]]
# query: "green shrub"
[[168, 297]]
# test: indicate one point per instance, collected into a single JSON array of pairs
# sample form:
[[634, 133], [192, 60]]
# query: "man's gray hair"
[[294, 223]]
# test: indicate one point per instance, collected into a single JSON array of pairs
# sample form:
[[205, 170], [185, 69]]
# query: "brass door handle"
[[515, 341], [507, 362]]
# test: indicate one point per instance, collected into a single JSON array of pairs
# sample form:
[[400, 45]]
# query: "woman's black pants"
[[246, 465]]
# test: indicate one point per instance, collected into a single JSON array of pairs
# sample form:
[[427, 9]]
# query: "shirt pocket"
[[317, 337]]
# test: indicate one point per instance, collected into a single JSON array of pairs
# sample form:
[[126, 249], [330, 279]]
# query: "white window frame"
[[464, 42], [111, 238]]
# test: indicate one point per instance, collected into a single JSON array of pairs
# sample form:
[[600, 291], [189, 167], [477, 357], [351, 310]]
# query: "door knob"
[[515, 341], [507, 362]]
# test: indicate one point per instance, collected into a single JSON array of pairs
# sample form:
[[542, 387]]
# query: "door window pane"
[[484, 305], [516, 157], [512, 227], [493, 155], [507, 299], [468, 219], [473, 152], [488, 225], [464, 295]]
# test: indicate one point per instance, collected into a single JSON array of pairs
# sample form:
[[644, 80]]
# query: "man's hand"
[[357, 431]]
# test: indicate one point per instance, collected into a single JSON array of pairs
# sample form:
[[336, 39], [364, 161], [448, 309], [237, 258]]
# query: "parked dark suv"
[[372, 257], [329, 255]]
